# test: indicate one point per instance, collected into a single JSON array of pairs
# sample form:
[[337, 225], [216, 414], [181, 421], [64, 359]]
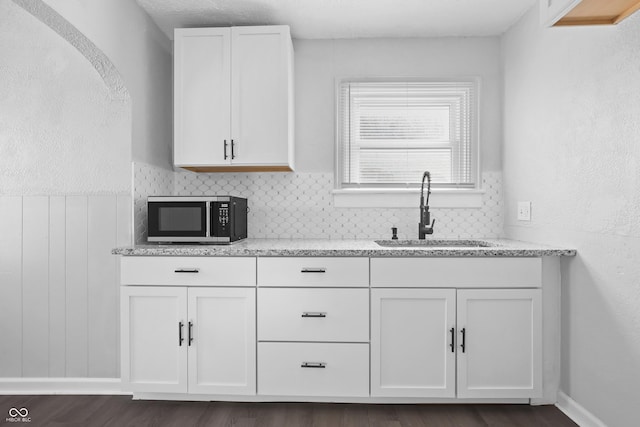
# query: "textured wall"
[[142, 55], [62, 129], [572, 123], [318, 63], [300, 205]]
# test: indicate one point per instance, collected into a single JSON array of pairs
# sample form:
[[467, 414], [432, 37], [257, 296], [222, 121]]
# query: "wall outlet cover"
[[524, 211]]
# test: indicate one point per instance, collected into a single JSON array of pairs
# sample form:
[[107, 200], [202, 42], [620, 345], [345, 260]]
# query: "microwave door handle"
[[213, 214], [207, 220]]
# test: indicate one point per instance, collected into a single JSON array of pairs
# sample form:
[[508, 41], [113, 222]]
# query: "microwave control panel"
[[220, 219], [223, 214], [229, 219]]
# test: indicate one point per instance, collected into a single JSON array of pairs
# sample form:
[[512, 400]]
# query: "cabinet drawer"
[[316, 271], [188, 271], [456, 272], [345, 370], [313, 315]]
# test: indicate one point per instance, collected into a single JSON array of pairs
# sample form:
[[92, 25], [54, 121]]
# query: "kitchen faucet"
[[423, 226]]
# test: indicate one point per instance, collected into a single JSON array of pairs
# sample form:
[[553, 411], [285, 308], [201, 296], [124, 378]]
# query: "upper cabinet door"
[[499, 343], [262, 96], [202, 95], [154, 339]]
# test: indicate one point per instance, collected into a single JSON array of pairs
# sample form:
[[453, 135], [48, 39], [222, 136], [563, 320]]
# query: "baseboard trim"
[[15, 386], [577, 413]]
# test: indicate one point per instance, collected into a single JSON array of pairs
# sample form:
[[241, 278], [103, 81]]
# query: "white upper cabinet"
[[261, 95], [202, 117], [551, 11], [233, 99]]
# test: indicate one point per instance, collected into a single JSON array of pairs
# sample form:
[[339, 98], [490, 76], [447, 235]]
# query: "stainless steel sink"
[[435, 243]]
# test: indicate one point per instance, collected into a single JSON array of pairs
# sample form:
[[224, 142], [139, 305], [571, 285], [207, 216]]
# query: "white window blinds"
[[391, 132]]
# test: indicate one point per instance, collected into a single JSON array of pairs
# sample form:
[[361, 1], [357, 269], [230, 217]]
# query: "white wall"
[[319, 62], [571, 129], [61, 131], [59, 285], [65, 179], [142, 55]]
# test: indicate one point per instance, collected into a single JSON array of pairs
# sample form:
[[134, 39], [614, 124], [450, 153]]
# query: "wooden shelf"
[[599, 12]]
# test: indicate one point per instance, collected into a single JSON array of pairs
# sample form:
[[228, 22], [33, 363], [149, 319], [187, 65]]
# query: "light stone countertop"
[[350, 248]]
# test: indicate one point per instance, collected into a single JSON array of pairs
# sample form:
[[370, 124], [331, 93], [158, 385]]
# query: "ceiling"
[[333, 19]]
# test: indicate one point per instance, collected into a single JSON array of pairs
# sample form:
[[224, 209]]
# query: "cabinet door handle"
[[464, 336], [186, 270], [313, 270], [314, 314], [225, 150], [190, 333], [180, 338], [453, 337], [233, 154], [313, 365]]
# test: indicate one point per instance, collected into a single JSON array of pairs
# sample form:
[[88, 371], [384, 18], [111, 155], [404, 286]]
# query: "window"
[[390, 132]]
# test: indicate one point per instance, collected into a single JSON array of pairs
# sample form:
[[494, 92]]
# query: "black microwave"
[[196, 219]]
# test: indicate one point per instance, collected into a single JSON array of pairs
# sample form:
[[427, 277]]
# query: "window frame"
[[403, 190]]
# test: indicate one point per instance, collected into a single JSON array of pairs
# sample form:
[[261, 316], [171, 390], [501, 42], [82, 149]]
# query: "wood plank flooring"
[[120, 411]]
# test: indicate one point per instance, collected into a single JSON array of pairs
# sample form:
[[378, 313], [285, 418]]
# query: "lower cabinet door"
[[412, 348], [222, 340], [154, 339], [313, 369], [500, 343]]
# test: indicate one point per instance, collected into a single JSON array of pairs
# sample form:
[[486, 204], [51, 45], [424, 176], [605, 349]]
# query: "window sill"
[[406, 198]]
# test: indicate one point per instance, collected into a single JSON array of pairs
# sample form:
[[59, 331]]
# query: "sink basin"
[[434, 243]]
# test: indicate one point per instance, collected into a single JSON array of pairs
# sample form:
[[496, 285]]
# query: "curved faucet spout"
[[427, 175], [424, 227]]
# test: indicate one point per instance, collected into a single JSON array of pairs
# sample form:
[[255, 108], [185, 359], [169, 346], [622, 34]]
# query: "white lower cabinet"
[[313, 329], [412, 354], [154, 351], [195, 340], [494, 337], [222, 354], [501, 330]]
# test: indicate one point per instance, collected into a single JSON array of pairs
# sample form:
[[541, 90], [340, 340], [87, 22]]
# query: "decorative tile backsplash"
[[300, 205], [148, 180]]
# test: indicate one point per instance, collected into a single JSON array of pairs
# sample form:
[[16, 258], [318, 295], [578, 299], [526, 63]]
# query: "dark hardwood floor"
[[119, 411]]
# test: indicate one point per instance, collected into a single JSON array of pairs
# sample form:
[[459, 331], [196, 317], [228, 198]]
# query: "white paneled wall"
[[59, 287]]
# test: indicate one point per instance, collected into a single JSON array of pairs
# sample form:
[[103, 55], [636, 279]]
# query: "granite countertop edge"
[[344, 248]]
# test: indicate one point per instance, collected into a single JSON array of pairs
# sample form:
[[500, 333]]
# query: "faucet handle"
[[394, 231]]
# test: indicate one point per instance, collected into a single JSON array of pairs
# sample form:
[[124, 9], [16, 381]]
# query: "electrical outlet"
[[524, 211]]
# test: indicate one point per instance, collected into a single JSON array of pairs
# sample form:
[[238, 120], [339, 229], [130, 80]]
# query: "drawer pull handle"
[[313, 365], [313, 270], [186, 270], [453, 337], [314, 314], [464, 339], [190, 333]]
